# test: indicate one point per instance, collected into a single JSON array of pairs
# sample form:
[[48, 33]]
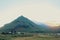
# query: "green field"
[[35, 38], [17, 37]]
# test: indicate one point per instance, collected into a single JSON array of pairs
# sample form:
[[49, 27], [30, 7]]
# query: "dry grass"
[[35, 37]]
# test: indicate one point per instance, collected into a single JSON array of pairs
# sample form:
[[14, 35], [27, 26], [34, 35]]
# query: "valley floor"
[[35, 37]]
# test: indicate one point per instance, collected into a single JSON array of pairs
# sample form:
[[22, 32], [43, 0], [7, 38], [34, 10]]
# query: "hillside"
[[21, 24]]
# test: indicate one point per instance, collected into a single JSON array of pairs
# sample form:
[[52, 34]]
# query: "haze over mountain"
[[23, 24]]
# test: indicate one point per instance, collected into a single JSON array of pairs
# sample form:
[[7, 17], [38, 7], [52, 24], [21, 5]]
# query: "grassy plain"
[[15, 37]]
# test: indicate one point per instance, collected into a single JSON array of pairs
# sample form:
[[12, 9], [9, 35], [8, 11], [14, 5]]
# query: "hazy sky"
[[46, 11]]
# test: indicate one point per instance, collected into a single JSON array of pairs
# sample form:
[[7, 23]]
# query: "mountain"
[[21, 24]]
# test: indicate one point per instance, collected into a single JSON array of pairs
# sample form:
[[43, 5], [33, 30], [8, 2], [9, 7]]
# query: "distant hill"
[[23, 24]]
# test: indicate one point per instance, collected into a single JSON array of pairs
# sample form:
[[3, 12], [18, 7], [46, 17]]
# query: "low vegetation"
[[27, 37]]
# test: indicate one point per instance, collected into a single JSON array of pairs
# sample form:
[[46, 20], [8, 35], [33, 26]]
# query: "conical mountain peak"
[[21, 18], [22, 24]]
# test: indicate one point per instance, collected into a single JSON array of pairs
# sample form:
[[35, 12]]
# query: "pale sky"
[[46, 11]]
